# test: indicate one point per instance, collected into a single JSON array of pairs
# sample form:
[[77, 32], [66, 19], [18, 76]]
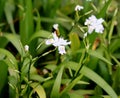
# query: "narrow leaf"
[[38, 89], [40, 34], [98, 55], [15, 40], [57, 83], [97, 79], [102, 12], [3, 74], [75, 42], [9, 8]]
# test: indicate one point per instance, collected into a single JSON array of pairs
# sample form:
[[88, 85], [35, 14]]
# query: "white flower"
[[58, 42], [78, 8], [94, 24], [85, 35], [61, 42], [26, 47], [55, 26], [61, 50]]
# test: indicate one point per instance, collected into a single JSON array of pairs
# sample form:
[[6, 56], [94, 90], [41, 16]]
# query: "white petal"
[[55, 36], [100, 21], [61, 50], [55, 26], [90, 29], [49, 41], [63, 42]]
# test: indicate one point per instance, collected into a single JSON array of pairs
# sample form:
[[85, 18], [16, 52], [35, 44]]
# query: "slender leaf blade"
[[57, 83], [97, 79]]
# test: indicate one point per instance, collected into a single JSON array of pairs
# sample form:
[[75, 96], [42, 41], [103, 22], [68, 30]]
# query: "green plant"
[[87, 65]]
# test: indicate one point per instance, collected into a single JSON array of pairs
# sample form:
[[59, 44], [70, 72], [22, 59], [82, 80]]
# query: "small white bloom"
[[26, 47], [85, 35], [58, 42], [94, 24], [61, 50], [78, 8], [55, 26]]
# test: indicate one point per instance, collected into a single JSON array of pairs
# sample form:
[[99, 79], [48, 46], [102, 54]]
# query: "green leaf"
[[9, 8], [112, 25], [11, 58], [40, 34], [75, 42], [56, 87], [3, 42], [26, 23], [13, 72], [2, 4], [84, 92], [75, 95], [98, 55], [38, 21], [25, 68], [103, 11], [38, 89], [98, 80], [71, 84], [116, 81], [3, 74], [104, 71], [114, 45], [15, 40]]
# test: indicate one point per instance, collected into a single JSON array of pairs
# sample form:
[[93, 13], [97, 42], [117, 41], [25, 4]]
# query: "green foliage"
[[3, 74], [30, 67]]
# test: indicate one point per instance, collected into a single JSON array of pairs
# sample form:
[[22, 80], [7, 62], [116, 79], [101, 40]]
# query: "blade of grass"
[[112, 26], [38, 89], [3, 74], [40, 34], [26, 22], [9, 8], [3, 42], [2, 5], [103, 11], [15, 40], [97, 79], [57, 84], [75, 42], [98, 55], [71, 85]]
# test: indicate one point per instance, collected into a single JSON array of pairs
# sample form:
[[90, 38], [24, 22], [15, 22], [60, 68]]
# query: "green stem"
[[80, 63], [71, 85], [118, 63]]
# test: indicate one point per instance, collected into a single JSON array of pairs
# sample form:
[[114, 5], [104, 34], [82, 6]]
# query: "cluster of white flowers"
[[60, 43], [94, 24], [78, 8]]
